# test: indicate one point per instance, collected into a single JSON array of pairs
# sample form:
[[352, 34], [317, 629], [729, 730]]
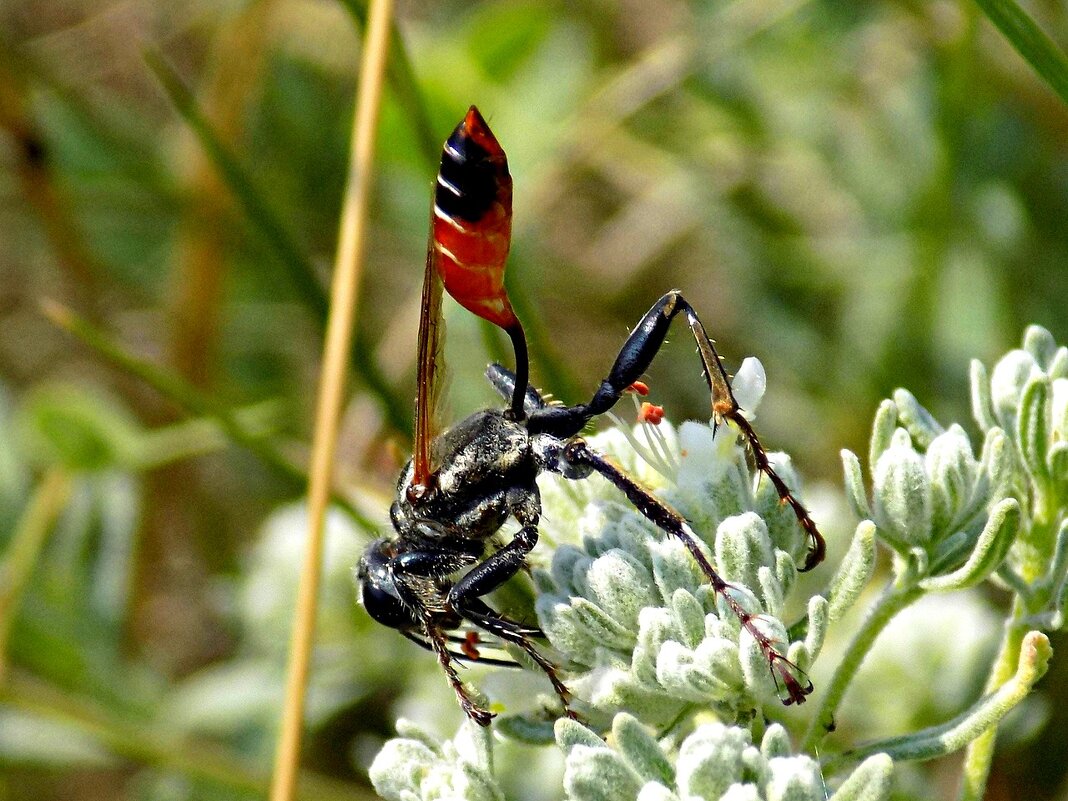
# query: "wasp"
[[430, 578]]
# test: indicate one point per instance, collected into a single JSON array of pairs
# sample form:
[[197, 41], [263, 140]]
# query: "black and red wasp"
[[429, 579]]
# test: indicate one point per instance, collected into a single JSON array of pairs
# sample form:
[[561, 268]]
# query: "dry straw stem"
[[353, 229]]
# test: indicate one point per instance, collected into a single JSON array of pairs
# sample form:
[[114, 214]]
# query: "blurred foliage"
[[862, 194]]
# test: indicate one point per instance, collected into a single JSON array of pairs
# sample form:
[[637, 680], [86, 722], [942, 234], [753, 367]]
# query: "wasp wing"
[[431, 363]]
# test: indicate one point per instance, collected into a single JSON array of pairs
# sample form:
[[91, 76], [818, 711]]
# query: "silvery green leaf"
[[1010, 376], [710, 760], [982, 403], [689, 618], [990, 550], [742, 792], [524, 728], [1058, 391], [642, 751], [946, 738], [410, 730], [620, 586], [570, 733], [854, 485], [399, 767], [882, 430], [997, 471], [674, 568], [1058, 366], [902, 493], [742, 546], [565, 631], [794, 778], [854, 572], [952, 468], [919, 422], [1040, 344], [1033, 427], [653, 791], [771, 591], [600, 626], [818, 618], [871, 781], [599, 774], [776, 742], [707, 673], [565, 564], [1058, 464], [785, 571]]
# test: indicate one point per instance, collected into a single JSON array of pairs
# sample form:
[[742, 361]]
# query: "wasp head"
[[377, 588]]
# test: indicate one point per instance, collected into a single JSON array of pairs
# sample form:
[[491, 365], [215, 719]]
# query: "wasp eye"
[[384, 607]]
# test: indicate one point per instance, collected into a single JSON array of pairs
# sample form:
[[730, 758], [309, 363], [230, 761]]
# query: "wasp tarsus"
[[430, 577]]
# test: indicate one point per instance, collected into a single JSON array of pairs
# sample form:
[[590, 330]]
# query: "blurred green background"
[[863, 195]]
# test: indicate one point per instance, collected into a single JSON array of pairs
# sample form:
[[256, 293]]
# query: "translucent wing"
[[431, 343]]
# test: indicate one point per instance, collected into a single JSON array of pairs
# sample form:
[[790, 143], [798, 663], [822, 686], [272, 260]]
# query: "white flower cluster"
[[631, 611]]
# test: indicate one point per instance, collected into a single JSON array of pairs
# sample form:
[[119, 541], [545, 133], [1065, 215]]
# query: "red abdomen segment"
[[473, 220]]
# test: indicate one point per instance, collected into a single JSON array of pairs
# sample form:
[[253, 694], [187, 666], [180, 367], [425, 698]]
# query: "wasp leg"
[[445, 657], [461, 657], [510, 631], [497, 568], [634, 358], [477, 607], [578, 453]]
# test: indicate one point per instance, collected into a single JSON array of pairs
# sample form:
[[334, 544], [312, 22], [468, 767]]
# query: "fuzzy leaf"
[[742, 546], [794, 778], [951, 736], [982, 404], [599, 774], [641, 750], [570, 733], [952, 468], [1058, 366], [1033, 431], [776, 742], [1058, 465], [1040, 344], [919, 422], [871, 781], [1007, 383], [854, 572], [818, 618], [902, 493], [882, 431], [854, 485], [710, 760], [990, 550]]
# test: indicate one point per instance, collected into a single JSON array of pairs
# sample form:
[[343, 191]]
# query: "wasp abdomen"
[[473, 220]]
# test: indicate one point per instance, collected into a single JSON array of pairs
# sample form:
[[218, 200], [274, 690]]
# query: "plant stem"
[[29, 538], [892, 601], [980, 753], [347, 267]]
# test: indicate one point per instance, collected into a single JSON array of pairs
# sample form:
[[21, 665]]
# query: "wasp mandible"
[[429, 579]]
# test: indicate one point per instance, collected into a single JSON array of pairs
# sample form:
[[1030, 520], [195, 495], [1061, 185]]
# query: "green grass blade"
[[1030, 41], [279, 240], [189, 398]]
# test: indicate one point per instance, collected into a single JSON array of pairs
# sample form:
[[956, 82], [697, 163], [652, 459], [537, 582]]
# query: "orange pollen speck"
[[639, 387], [651, 413], [469, 646]]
